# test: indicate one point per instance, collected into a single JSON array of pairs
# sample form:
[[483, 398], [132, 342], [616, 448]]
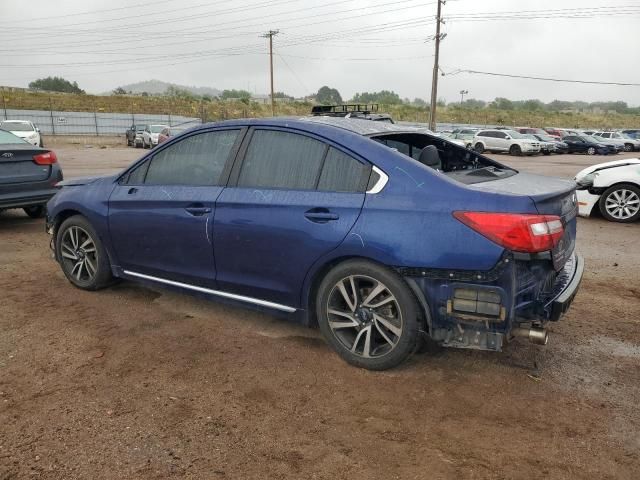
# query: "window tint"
[[136, 177], [281, 160], [484, 134], [341, 173], [196, 160], [499, 135]]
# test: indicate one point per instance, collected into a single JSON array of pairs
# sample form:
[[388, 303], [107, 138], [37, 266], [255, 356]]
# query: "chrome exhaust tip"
[[539, 336]]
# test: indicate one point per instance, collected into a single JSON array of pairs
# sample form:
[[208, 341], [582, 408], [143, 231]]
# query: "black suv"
[[131, 134]]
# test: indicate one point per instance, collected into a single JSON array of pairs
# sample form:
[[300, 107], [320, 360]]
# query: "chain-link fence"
[[93, 123]]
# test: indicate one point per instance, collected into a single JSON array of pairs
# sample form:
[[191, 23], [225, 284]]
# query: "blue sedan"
[[382, 235]]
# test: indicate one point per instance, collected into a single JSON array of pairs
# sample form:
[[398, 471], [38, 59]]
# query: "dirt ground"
[[132, 383]]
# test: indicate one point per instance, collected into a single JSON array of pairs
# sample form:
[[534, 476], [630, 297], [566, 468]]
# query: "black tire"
[[479, 148], [515, 150], [36, 211], [591, 151], [100, 260], [128, 142], [546, 152], [402, 310], [629, 187], [628, 147], [41, 144]]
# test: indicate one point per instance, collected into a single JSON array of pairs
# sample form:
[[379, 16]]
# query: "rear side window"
[[196, 160], [281, 160], [485, 134], [341, 173]]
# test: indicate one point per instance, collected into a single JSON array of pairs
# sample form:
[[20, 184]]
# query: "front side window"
[[277, 159], [196, 160]]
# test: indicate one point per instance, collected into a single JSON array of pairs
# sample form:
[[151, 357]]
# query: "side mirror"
[[507, 137], [37, 130]]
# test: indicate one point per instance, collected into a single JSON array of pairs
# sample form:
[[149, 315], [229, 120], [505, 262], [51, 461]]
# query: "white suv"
[[617, 138], [150, 135], [493, 140], [24, 129]]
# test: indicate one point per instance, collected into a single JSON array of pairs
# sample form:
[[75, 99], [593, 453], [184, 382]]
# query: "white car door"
[[501, 142]]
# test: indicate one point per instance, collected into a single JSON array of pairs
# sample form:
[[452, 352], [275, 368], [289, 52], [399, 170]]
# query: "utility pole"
[[462, 94], [436, 67], [270, 34]]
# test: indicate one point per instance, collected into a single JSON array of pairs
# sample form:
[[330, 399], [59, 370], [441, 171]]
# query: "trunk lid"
[[17, 165], [551, 196]]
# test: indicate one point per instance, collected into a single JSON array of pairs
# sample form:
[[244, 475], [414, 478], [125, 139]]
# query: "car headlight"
[[587, 180]]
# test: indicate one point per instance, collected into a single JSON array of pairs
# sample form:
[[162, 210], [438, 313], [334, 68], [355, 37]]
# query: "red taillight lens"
[[48, 158], [514, 231]]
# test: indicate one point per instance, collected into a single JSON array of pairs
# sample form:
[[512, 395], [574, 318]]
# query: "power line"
[[546, 79]]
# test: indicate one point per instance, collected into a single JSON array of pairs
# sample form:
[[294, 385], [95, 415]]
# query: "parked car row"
[[24, 129], [148, 136], [532, 141]]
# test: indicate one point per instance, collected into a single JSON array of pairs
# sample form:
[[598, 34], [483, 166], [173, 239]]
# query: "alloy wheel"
[[622, 204], [78, 254], [364, 316]]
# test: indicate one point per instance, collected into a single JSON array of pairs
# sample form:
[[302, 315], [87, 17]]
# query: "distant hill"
[[154, 87]]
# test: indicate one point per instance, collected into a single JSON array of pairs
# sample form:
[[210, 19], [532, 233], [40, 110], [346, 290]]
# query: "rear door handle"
[[321, 215], [197, 210]]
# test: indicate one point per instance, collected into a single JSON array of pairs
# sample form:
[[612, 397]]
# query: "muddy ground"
[[137, 383]]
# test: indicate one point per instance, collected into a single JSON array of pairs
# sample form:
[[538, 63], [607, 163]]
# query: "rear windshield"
[[16, 127], [454, 161], [6, 137]]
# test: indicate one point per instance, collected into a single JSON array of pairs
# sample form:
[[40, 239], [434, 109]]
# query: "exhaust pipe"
[[539, 336]]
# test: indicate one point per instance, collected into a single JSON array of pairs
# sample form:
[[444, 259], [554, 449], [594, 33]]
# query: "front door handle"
[[197, 210], [321, 215], [132, 190]]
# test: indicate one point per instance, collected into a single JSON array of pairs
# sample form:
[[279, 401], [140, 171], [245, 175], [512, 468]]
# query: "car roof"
[[319, 124], [15, 121]]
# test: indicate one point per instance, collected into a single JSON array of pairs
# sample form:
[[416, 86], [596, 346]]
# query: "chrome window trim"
[[381, 183], [232, 296]]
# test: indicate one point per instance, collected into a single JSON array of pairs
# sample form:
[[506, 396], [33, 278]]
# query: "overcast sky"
[[352, 45]]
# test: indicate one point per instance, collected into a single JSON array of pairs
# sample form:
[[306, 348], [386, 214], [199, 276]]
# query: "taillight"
[[514, 231], [48, 158]]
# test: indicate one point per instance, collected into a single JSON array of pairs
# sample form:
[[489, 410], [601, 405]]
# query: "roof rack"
[[342, 110]]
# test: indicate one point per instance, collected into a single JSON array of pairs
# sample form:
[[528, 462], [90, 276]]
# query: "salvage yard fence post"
[[53, 127]]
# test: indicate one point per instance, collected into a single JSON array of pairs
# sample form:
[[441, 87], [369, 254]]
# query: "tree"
[[501, 103], [282, 95], [474, 104], [177, 92], [235, 95], [328, 96], [119, 91], [55, 84], [384, 97], [419, 102]]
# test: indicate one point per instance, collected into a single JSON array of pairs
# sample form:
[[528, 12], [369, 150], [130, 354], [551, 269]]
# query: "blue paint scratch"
[[361, 240], [418, 184]]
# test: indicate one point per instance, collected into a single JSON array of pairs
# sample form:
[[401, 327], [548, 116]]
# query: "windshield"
[[6, 137], [515, 134], [157, 128], [16, 127], [589, 138], [140, 128], [546, 138], [531, 137]]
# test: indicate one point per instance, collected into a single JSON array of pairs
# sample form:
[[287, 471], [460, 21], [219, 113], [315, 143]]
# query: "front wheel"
[[82, 256], [628, 147], [591, 151], [368, 315], [515, 150], [621, 203]]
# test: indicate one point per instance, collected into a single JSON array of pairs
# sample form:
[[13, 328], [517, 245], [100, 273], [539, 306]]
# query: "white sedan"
[[613, 188], [24, 129], [150, 135]]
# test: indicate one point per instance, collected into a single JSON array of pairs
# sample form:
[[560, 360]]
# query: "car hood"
[[23, 134], [74, 182], [603, 166]]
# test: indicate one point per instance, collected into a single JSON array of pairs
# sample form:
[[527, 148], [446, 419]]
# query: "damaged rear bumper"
[[561, 303]]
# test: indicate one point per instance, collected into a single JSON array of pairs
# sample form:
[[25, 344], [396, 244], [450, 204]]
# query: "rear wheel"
[[368, 315], [479, 148], [35, 211], [591, 151], [621, 203], [81, 254], [515, 150]]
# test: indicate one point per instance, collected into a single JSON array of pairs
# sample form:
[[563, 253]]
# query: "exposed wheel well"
[[62, 216], [422, 302]]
